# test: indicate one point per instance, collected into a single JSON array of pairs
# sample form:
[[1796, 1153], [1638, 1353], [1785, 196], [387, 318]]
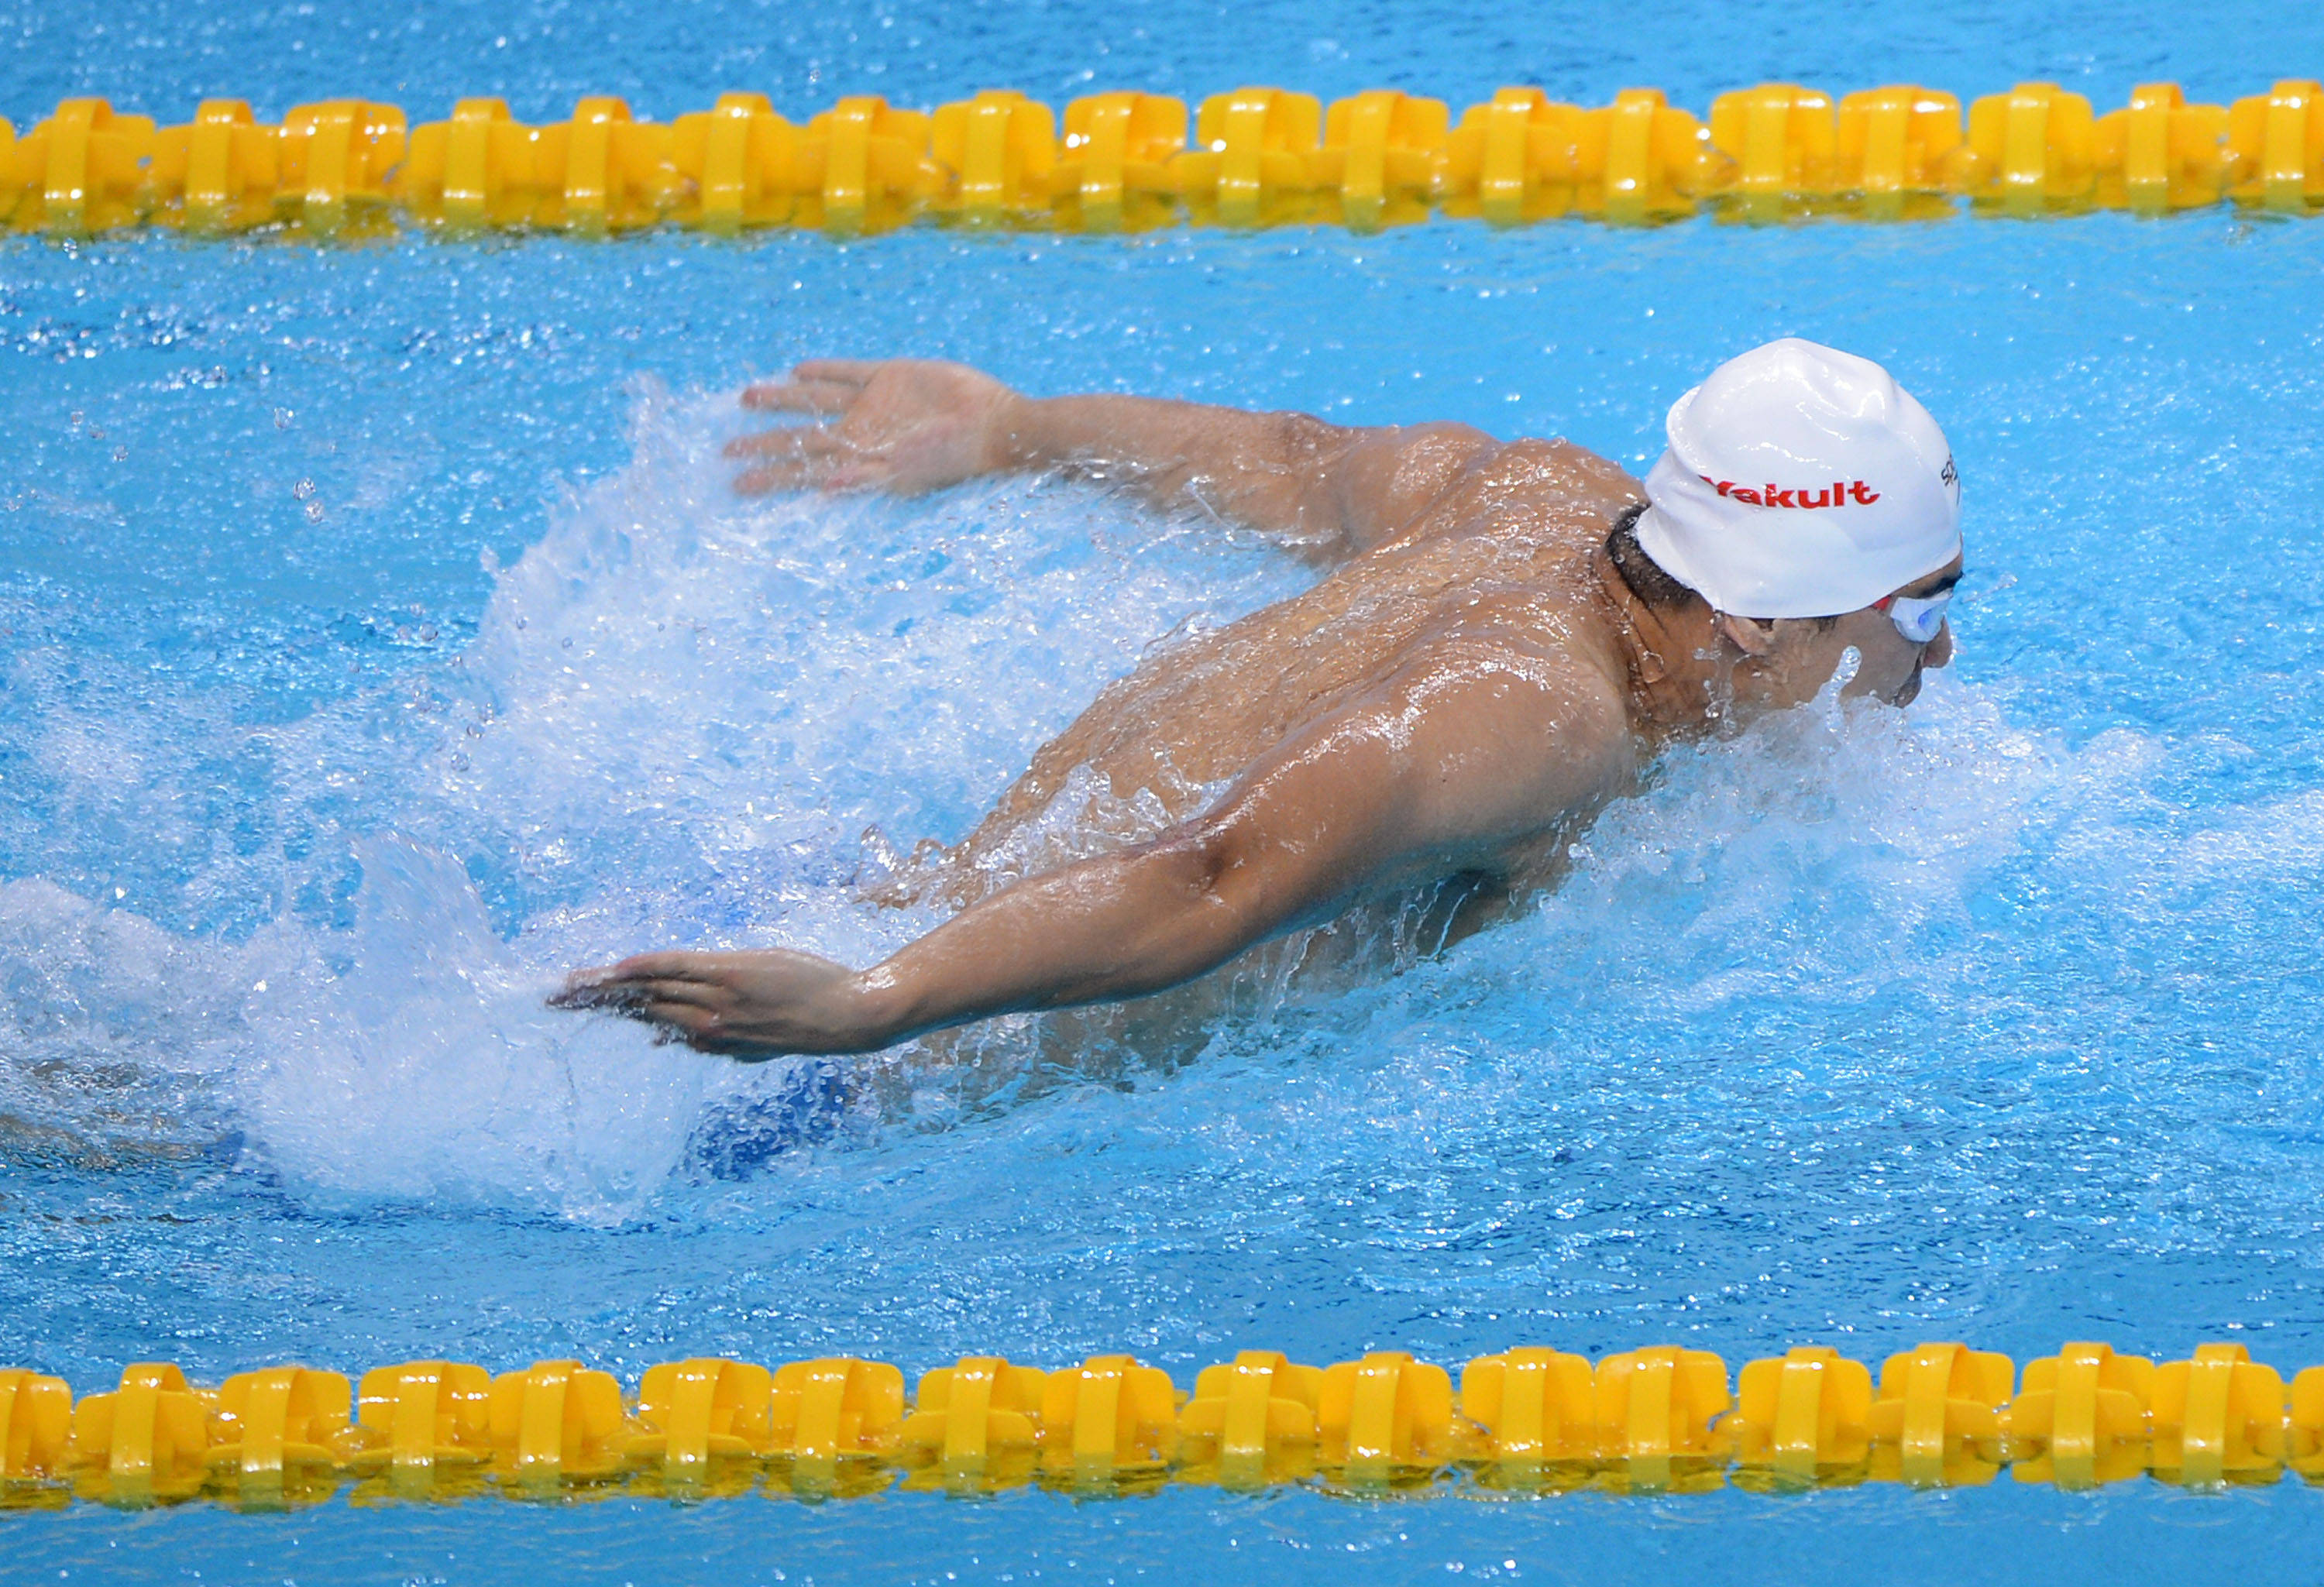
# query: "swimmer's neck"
[[1681, 670]]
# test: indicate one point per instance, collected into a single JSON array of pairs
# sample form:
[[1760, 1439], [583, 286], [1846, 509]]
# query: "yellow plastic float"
[[1121, 160], [1898, 152], [1512, 160], [1941, 1415], [1113, 169], [1253, 159], [2275, 147], [1379, 157], [1663, 1419], [737, 165]]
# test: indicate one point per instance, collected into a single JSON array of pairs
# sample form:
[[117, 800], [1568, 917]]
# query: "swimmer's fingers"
[[690, 1011], [749, 1005], [845, 372], [584, 989], [800, 396], [622, 987], [835, 477], [670, 964], [817, 385], [760, 481], [806, 458], [680, 1022], [823, 468], [796, 440], [703, 1029], [715, 996]]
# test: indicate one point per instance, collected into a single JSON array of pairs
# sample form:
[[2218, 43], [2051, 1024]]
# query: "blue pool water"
[[378, 640]]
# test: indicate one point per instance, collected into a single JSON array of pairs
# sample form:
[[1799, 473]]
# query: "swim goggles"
[[1917, 619]]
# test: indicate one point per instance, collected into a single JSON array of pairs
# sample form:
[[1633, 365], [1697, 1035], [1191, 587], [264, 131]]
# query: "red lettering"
[[1839, 493]]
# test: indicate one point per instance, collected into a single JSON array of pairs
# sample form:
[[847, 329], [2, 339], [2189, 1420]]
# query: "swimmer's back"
[[1496, 557]]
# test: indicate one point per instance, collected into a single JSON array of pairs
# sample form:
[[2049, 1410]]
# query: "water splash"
[[679, 718]]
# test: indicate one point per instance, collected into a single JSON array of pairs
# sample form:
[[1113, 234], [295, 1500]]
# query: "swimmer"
[[1506, 635]]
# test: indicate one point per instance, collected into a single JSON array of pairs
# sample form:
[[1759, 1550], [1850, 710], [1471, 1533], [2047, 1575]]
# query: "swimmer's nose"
[[1941, 648]]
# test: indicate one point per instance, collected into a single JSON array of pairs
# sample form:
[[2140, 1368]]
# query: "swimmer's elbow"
[[1198, 864], [1229, 886], [1185, 915]]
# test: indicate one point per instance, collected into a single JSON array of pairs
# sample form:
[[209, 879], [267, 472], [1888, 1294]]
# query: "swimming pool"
[[380, 640]]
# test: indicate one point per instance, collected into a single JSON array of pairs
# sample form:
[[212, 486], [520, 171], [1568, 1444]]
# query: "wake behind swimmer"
[[1505, 635]]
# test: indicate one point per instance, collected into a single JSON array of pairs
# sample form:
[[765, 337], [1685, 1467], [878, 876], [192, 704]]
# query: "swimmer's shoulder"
[[1429, 481], [1469, 470], [1572, 470]]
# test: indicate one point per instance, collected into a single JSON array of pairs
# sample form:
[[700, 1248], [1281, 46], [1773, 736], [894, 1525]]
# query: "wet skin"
[[1464, 687]]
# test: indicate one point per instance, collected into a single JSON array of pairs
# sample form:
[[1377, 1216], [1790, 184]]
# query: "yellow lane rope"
[[1124, 162], [1654, 1420]]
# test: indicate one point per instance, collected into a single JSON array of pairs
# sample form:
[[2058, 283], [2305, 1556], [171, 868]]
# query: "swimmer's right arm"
[[1451, 763], [912, 425]]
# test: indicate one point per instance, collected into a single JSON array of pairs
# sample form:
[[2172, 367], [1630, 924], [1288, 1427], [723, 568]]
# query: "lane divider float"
[[1656, 1420], [1123, 161]]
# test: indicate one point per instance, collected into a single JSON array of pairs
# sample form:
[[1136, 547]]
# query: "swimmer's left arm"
[[912, 425], [1446, 768]]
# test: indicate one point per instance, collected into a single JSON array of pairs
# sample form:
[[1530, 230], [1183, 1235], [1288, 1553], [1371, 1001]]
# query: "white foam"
[[413, 1057], [110, 1028]]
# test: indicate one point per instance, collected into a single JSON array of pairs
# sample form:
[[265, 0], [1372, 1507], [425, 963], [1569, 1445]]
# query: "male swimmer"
[[1506, 635]]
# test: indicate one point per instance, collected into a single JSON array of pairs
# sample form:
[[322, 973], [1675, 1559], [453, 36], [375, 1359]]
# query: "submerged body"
[[1487, 661]]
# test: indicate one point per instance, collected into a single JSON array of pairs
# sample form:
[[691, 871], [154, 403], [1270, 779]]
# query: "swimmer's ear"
[[1754, 636]]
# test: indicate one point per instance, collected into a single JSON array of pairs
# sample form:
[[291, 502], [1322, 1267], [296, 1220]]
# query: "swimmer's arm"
[[1332, 487], [1440, 772], [912, 425]]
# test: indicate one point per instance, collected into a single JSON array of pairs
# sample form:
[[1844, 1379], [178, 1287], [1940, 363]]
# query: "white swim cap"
[[1800, 482]]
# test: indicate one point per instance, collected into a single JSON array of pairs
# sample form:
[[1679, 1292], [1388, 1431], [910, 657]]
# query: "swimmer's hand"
[[748, 1005], [902, 425]]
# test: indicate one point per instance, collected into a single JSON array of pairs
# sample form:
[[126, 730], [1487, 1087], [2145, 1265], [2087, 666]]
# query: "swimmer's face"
[[1788, 663]]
